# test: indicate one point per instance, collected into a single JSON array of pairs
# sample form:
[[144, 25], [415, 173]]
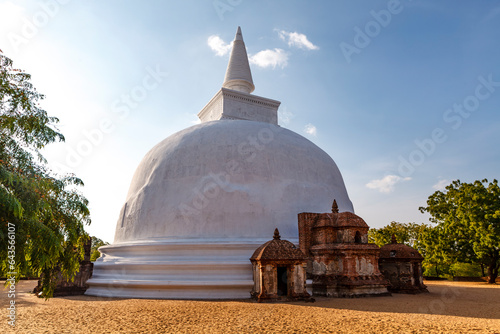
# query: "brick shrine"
[[279, 271], [341, 262], [402, 266]]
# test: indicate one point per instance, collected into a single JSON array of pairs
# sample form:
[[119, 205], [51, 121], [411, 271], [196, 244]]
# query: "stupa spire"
[[238, 75], [233, 100]]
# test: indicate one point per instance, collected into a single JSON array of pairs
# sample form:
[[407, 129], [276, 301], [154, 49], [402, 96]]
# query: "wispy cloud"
[[196, 120], [218, 45], [265, 58], [440, 185], [297, 40], [311, 129], [284, 115], [386, 184], [270, 58]]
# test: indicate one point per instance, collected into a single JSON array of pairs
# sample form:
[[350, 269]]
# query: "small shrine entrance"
[[282, 281], [279, 271]]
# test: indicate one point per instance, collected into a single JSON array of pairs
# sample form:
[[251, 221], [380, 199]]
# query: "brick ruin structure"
[[402, 266], [341, 262], [79, 284], [279, 271]]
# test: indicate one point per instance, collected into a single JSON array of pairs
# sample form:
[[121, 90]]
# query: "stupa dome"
[[202, 200], [229, 179]]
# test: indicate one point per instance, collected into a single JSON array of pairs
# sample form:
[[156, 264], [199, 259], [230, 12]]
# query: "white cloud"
[[440, 185], [265, 58], [218, 45], [311, 129], [298, 40], [285, 116], [387, 183], [270, 58]]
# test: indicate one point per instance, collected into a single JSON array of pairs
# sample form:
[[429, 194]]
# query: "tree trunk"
[[493, 271], [483, 274]]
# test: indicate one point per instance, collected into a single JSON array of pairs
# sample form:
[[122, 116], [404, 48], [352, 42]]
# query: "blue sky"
[[403, 95]]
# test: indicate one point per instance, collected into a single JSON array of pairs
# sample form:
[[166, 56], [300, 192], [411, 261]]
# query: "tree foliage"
[[418, 236], [430, 243], [405, 233], [46, 212], [94, 251], [434, 250], [468, 223]]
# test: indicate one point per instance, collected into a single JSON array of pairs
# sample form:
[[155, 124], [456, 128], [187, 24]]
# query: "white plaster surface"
[[229, 179], [231, 104], [167, 269], [238, 75], [203, 200]]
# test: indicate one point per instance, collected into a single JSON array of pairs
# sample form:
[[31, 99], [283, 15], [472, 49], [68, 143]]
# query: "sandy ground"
[[450, 307]]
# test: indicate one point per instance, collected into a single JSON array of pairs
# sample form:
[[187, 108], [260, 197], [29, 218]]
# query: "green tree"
[[468, 217], [406, 233], [43, 212], [422, 237], [433, 249], [94, 251]]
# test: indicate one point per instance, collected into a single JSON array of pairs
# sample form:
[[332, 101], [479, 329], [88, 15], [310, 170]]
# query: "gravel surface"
[[450, 307]]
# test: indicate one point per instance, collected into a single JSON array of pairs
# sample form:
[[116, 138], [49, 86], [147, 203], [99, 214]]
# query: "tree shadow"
[[23, 293], [474, 300]]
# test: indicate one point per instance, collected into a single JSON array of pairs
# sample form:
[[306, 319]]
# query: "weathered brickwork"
[[279, 271], [402, 266], [341, 262]]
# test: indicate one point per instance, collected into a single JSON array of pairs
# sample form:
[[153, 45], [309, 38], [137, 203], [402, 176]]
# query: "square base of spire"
[[232, 104]]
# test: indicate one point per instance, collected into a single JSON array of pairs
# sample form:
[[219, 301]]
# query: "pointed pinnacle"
[[335, 207], [276, 234], [238, 75], [239, 36]]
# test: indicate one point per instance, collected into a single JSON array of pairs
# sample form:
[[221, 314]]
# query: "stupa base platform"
[[175, 269]]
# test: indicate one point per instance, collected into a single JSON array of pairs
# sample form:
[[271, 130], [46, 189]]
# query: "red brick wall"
[[306, 220]]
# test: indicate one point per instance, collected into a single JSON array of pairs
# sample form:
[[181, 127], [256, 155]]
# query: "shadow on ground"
[[476, 300]]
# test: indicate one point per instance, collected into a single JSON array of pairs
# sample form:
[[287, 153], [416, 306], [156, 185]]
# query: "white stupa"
[[202, 200]]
